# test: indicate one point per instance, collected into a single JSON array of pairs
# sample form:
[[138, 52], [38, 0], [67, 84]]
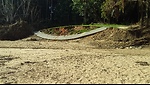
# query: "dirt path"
[[28, 62]]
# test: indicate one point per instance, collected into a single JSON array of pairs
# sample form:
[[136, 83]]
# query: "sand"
[[71, 62]]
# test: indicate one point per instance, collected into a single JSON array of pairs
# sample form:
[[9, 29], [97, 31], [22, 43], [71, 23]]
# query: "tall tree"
[[62, 12], [12, 10], [89, 9], [8, 10], [145, 12], [112, 9]]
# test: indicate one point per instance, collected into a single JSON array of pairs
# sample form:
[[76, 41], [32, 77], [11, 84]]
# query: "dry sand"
[[67, 62]]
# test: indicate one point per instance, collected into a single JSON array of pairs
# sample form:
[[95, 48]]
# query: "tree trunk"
[[85, 12], [142, 14], [147, 13]]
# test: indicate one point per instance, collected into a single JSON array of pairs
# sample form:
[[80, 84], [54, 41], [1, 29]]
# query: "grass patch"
[[108, 25]]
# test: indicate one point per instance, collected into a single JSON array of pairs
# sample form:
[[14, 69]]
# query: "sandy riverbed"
[[53, 62]]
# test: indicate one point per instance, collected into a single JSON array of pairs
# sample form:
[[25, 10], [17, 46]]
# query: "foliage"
[[89, 9], [144, 6], [65, 12], [112, 9], [62, 13]]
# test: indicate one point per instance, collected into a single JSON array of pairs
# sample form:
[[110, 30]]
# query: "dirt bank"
[[16, 31], [119, 38], [107, 39]]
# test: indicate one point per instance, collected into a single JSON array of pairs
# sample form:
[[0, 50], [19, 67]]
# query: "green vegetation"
[[107, 25], [49, 13]]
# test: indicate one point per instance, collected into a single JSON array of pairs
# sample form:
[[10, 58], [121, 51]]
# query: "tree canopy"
[[65, 12]]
